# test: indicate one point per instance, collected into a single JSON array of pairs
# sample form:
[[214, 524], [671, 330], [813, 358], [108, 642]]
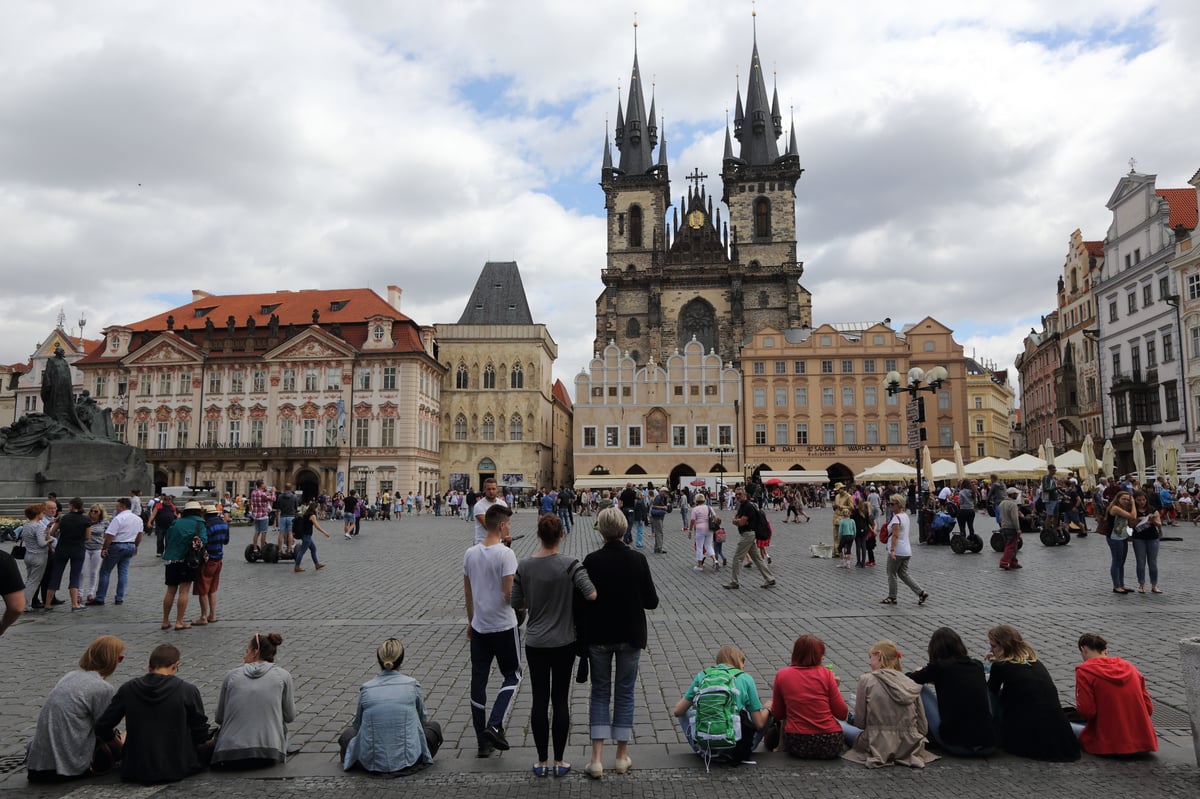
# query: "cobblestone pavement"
[[404, 579]]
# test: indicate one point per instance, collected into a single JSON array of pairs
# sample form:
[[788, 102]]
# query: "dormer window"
[[202, 312], [267, 310], [338, 305]]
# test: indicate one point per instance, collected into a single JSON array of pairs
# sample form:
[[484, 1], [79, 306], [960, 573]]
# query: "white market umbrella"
[[1041, 453], [1139, 456], [959, 470], [1071, 459], [1160, 455], [944, 470], [1049, 456], [888, 469], [927, 464], [985, 467], [1173, 463], [1107, 457], [1089, 457], [1026, 467]]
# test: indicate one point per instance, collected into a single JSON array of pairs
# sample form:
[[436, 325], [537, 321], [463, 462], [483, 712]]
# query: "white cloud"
[[950, 147]]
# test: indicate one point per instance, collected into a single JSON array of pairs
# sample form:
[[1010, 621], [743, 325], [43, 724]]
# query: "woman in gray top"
[[38, 546], [545, 585], [64, 747], [254, 709]]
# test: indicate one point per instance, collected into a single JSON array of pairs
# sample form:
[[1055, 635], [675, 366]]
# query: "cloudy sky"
[[950, 148]]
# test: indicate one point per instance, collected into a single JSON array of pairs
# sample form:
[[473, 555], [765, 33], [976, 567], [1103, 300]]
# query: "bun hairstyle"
[[390, 654], [266, 645]]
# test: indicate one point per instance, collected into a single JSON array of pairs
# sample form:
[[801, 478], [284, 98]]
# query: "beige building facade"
[[501, 418], [660, 423], [1077, 392], [327, 390], [990, 400], [815, 398]]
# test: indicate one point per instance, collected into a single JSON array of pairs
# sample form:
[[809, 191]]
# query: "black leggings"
[[550, 673]]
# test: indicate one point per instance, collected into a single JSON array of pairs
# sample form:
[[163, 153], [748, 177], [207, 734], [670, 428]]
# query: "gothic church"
[[674, 274]]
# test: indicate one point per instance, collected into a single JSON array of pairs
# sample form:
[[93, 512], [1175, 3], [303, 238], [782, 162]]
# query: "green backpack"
[[716, 701]]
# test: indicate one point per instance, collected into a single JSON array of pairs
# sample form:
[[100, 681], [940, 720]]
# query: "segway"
[[1055, 536], [269, 553], [972, 543]]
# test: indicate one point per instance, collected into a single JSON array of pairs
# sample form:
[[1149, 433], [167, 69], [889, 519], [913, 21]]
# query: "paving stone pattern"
[[404, 579]]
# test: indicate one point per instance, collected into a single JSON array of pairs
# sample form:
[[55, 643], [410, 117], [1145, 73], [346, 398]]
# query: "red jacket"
[[1111, 695], [808, 700]]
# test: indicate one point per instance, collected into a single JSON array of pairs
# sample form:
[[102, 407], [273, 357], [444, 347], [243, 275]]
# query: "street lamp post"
[[918, 381], [721, 451]]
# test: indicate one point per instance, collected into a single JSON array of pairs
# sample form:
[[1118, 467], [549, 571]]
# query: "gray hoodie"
[[255, 705]]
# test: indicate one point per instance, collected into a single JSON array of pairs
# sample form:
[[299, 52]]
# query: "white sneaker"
[[697, 568], [347, 535]]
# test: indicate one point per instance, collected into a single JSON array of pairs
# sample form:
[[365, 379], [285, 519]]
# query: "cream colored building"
[[1077, 377], [325, 389], [500, 416], [659, 422], [25, 396], [815, 400], [990, 401]]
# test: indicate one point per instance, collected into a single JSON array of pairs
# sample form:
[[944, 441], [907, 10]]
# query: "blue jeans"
[[564, 516], [619, 725], [307, 545], [1120, 551], [641, 531], [687, 723], [1146, 552], [850, 732], [118, 556]]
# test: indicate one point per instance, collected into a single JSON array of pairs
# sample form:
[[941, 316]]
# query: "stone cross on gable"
[[696, 177]]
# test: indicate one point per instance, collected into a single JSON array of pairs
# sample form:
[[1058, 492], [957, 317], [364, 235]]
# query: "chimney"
[[199, 294], [393, 297]]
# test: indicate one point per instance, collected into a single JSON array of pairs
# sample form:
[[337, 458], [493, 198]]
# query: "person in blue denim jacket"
[[391, 733]]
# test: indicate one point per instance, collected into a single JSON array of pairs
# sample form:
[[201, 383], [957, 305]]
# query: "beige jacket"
[[888, 708]]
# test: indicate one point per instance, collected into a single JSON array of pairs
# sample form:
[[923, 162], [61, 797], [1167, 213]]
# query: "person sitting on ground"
[[1025, 701], [1111, 696], [806, 700], [720, 713], [955, 697], [888, 708], [165, 725], [254, 709], [391, 733], [64, 747]]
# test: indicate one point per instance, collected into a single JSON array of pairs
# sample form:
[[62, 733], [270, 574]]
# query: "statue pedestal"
[[76, 468]]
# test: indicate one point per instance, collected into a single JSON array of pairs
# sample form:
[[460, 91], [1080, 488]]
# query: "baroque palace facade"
[[323, 389]]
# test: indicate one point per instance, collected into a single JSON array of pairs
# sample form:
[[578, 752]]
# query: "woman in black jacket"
[[615, 628], [1031, 720], [955, 696]]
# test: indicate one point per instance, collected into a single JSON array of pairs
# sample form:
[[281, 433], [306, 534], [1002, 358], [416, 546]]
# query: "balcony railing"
[[242, 451]]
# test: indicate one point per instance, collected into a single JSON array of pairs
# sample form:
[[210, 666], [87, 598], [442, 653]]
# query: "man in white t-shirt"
[[489, 498], [488, 571]]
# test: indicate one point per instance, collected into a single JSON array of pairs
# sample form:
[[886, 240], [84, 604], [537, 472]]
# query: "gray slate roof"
[[498, 297]]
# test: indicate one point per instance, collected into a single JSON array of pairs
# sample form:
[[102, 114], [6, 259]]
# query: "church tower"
[[673, 276]]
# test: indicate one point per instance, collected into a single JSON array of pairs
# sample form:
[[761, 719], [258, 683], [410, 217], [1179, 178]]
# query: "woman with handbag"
[[1146, 535], [700, 529], [1121, 512]]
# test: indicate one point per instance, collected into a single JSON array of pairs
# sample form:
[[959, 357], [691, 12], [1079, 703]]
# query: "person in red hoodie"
[[1111, 696]]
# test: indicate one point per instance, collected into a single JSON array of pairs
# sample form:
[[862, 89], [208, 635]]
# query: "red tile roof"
[[292, 308], [1094, 247], [560, 393], [1183, 206], [349, 308]]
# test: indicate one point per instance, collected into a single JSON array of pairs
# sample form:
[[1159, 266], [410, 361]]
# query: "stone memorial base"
[[76, 468]]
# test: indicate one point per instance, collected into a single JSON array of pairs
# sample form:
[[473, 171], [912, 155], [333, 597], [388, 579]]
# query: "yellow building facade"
[[815, 398]]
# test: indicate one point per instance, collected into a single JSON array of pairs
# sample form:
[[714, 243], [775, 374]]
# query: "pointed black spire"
[[662, 148], [756, 135], [607, 165], [637, 145]]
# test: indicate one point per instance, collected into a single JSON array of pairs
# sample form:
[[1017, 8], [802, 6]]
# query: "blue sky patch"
[[1135, 36]]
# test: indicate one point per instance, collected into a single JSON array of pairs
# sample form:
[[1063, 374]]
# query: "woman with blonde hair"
[[888, 706], [1025, 700], [64, 746], [729, 678], [615, 631], [91, 552], [391, 733], [1122, 516]]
